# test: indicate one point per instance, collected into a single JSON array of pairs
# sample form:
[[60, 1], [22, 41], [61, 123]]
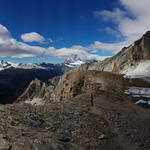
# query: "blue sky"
[[52, 30]]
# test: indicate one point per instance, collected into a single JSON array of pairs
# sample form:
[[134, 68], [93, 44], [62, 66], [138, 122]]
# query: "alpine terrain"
[[57, 114]]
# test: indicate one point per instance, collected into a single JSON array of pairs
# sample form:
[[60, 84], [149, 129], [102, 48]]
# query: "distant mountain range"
[[43, 66], [6, 65], [72, 61], [15, 77]]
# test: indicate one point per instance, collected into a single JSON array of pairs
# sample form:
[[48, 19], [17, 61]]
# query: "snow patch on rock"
[[35, 101], [138, 92], [138, 70]]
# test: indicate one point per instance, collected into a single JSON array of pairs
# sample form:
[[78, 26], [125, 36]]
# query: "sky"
[[39, 31]]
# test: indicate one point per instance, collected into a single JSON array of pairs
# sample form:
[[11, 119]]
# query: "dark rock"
[[65, 139]]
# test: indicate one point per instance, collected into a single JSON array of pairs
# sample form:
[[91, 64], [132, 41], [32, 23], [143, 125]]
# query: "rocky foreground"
[[112, 124]]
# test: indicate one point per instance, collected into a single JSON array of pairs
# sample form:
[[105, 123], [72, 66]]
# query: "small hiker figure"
[[91, 97]]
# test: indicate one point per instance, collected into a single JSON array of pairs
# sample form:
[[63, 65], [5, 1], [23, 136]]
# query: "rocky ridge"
[[128, 56], [78, 82]]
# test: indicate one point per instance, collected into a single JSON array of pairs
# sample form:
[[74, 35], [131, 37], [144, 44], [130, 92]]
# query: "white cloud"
[[32, 37], [112, 32], [10, 47], [13, 48], [4, 33], [115, 15], [111, 47], [66, 52], [94, 51], [132, 22], [50, 40]]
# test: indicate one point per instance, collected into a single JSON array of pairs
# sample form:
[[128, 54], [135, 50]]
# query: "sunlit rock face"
[[128, 56]]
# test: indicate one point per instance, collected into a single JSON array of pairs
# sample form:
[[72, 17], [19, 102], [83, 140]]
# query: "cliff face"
[[39, 93], [128, 56]]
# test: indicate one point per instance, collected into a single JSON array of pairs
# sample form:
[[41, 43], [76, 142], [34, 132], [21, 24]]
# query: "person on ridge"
[[91, 97]]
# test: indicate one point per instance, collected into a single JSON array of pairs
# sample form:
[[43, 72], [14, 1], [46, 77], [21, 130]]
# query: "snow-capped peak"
[[75, 60], [72, 58], [6, 65]]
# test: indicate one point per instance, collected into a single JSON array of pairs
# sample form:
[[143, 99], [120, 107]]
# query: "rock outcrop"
[[79, 82], [128, 56], [75, 83], [37, 93]]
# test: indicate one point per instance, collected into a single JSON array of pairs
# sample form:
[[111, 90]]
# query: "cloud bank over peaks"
[[74, 50], [10, 47]]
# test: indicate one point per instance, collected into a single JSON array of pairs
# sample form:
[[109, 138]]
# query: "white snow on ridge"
[[139, 70], [75, 64], [1, 69], [79, 62], [15, 65], [143, 102], [6, 65], [29, 66], [138, 92]]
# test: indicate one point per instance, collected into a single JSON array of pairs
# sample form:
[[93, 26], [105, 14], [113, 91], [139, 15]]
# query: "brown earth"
[[68, 122], [78, 82], [112, 124]]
